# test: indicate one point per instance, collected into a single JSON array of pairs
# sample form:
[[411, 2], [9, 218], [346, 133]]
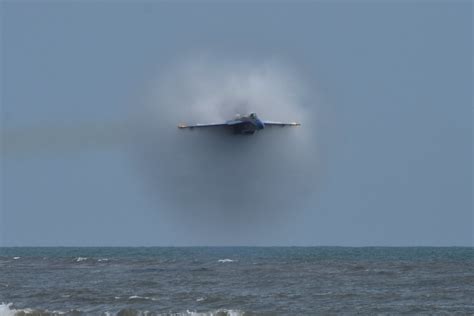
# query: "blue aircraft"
[[242, 124]]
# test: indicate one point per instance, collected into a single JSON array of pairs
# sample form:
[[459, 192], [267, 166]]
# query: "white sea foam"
[[225, 260], [6, 309], [220, 312], [16, 258], [102, 259], [200, 299], [79, 259], [137, 297]]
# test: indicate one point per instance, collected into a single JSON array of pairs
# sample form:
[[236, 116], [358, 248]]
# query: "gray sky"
[[388, 122]]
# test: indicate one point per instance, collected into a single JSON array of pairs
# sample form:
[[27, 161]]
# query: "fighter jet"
[[242, 124]]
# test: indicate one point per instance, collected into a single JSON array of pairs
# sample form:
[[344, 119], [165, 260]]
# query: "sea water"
[[236, 280]]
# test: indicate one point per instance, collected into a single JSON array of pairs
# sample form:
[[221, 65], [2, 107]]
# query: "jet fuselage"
[[247, 124]]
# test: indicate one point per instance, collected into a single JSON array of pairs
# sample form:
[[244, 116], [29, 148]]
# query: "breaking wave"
[[10, 310], [79, 259]]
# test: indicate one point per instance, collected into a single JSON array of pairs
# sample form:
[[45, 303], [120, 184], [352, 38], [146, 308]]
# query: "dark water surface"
[[236, 280]]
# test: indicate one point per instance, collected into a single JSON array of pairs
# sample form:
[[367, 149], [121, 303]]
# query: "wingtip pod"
[[182, 125], [295, 124]]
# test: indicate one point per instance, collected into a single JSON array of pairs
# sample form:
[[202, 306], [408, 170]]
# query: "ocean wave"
[[79, 259], [10, 310], [6, 310], [220, 312], [225, 260], [137, 297]]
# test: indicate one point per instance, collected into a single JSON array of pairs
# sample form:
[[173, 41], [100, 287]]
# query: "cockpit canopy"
[[253, 115]]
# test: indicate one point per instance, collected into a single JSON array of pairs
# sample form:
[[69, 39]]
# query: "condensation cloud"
[[209, 183]]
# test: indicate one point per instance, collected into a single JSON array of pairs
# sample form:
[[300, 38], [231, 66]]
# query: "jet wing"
[[270, 123], [182, 125], [234, 122]]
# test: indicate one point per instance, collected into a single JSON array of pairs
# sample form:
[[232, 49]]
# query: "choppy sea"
[[236, 281]]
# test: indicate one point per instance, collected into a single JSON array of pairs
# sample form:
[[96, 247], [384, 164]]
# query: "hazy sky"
[[389, 123]]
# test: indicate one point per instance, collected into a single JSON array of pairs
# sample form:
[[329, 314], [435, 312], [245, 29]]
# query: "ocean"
[[236, 280]]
